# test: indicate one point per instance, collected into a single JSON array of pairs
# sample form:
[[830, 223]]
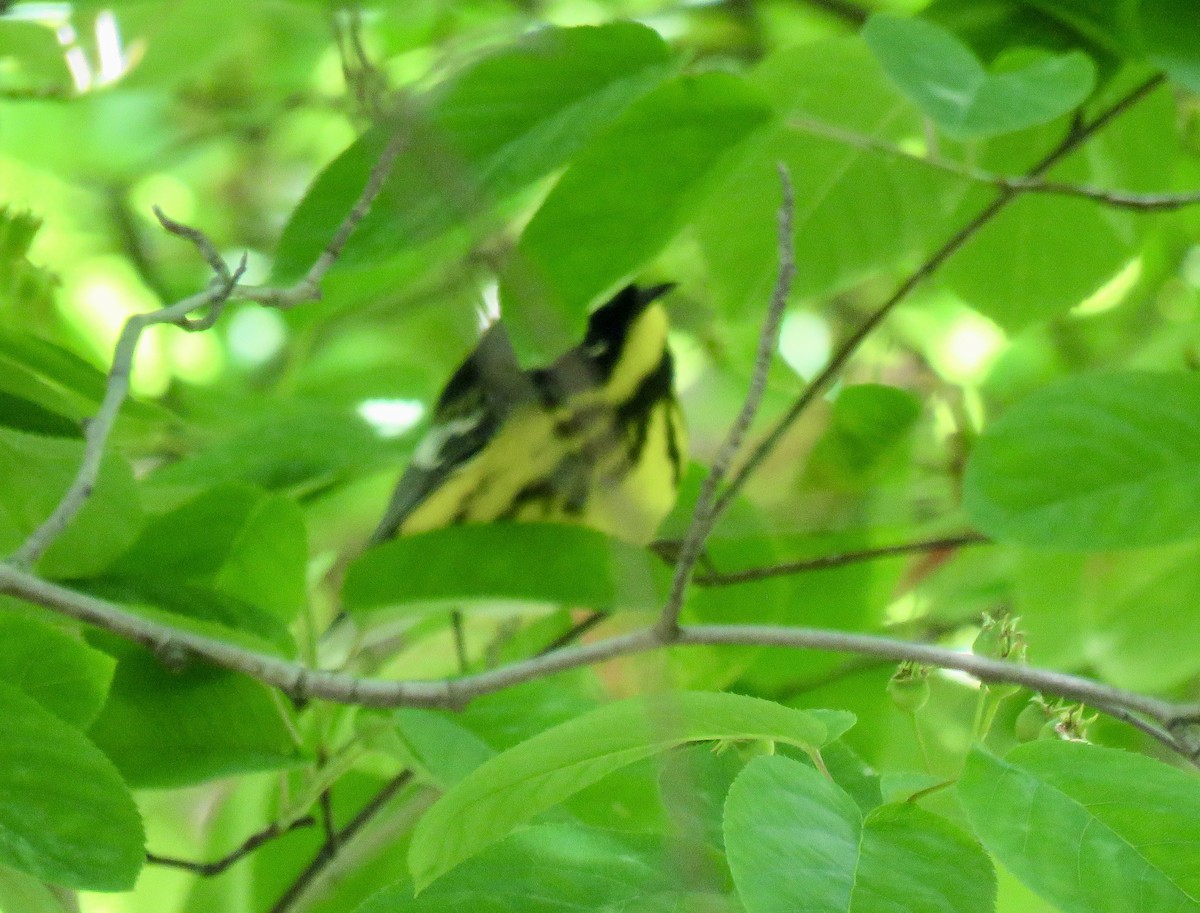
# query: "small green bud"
[[1030, 720], [909, 688]]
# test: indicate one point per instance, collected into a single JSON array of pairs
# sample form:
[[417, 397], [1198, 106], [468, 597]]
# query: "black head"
[[609, 323]]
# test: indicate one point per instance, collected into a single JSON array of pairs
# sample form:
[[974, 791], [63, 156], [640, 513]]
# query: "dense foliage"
[[997, 255]]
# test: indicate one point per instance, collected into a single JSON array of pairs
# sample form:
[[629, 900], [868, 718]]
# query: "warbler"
[[596, 438]]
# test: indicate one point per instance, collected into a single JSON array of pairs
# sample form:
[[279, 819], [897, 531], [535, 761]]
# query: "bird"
[[596, 438]]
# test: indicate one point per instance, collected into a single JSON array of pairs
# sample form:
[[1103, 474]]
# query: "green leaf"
[[856, 212], [1094, 462], [1111, 24], [539, 773], [245, 543], [1129, 617], [297, 447], [1092, 830], [1168, 28], [1057, 250], [524, 562], [113, 135], [60, 672], [35, 471], [498, 126], [179, 601], [868, 429], [168, 729], [552, 869], [65, 815], [440, 750], [796, 841], [22, 893], [23, 415], [941, 75], [623, 198]]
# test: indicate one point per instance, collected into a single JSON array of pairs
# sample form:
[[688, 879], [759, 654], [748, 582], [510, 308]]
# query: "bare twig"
[[1120, 199], [1005, 195], [707, 510], [573, 633], [824, 562], [99, 427], [216, 867], [224, 287], [329, 849], [309, 287]]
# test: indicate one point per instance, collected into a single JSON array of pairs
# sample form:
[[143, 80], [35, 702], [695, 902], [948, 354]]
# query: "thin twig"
[[1120, 199], [309, 288], [224, 287], [329, 849], [707, 511], [573, 633], [98, 428], [824, 562], [1005, 195], [217, 866], [1162, 736]]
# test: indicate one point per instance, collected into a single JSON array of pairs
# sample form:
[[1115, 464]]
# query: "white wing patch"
[[429, 452]]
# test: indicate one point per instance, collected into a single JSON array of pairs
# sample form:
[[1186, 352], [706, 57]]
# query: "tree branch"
[[706, 512], [824, 562], [1120, 199], [299, 681], [1074, 138], [208, 869], [330, 848]]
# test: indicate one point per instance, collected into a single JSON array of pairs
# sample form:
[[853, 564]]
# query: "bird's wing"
[[475, 402]]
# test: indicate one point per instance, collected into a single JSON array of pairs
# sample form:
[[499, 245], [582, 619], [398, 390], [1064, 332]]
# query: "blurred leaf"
[[219, 613], [60, 672], [498, 126], [178, 40], [534, 776], [1088, 828], [991, 27], [1130, 616], [25, 894], [22, 415], [440, 750], [948, 82], [168, 729], [623, 198], [37, 54], [296, 447], [35, 471], [1058, 251], [108, 135], [25, 289], [51, 376], [856, 211], [1112, 25], [548, 869], [868, 429], [1094, 462], [527, 562], [66, 817], [243, 542], [796, 841], [1168, 28]]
